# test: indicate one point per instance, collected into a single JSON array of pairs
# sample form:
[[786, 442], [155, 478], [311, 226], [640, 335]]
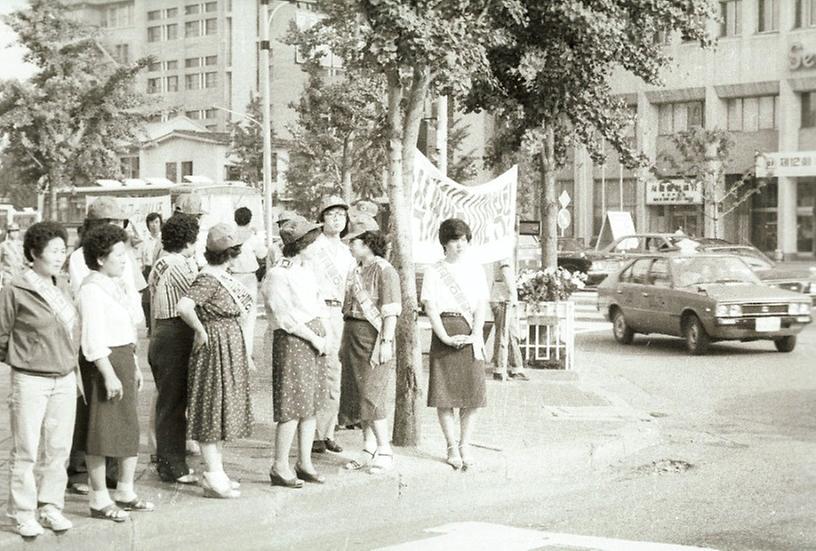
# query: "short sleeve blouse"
[[467, 274]]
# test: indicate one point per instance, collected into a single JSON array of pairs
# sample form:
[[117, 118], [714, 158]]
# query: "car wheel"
[[623, 333], [697, 340], [786, 344]]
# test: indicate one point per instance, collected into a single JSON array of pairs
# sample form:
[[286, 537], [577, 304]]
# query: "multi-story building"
[[759, 84]]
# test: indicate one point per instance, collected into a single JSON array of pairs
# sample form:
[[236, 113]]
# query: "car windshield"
[[712, 269], [755, 259]]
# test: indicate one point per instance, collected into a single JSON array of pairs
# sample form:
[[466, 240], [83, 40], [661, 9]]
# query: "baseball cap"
[[106, 208], [332, 201], [361, 224], [297, 227], [286, 215], [222, 236]]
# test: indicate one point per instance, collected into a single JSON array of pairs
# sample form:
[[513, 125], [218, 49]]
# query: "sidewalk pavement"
[[552, 425]]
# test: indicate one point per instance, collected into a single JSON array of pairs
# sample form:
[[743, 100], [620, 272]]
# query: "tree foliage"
[[246, 144], [549, 83], [79, 112], [339, 143]]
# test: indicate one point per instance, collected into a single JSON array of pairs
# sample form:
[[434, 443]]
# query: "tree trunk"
[[547, 203], [54, 182], [408, 354], [348, 188]]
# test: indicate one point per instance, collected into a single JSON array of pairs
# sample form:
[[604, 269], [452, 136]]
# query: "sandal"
[[136, 504], [111, 512], [467, 460], [454, 459], [362, 462], [383, 463]]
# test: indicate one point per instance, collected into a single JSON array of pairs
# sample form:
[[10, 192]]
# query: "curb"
[[265, 510]]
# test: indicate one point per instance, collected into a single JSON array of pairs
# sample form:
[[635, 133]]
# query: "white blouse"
[[106, 320], [343, 261], [471, 279], [293, 297]]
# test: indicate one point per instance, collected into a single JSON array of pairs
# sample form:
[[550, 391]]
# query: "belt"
[[451, 315], [352, 318], [333, 303]]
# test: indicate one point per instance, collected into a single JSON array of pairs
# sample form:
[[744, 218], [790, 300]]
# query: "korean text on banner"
[[137, 208], [489, 209]]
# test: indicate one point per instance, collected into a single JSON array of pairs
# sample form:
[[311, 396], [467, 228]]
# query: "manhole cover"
[[665, 466]]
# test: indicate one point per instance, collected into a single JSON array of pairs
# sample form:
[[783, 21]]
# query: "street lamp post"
[[266, 22]]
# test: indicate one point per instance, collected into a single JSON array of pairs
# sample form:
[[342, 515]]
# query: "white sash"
[[370, 311], [463, 304], [330, 269], [235, 288]]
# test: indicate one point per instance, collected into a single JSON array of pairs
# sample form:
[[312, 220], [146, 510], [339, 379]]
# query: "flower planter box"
[[549, 331]]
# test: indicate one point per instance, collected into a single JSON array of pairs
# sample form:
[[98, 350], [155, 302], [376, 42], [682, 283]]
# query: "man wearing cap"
[[245, 268], [332, 265], [11, 253]]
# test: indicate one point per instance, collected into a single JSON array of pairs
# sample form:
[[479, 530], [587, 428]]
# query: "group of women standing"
[[199, 359]]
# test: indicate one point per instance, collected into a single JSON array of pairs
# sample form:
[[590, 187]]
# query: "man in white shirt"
[[332, 265], [245, 267], [504, 303]]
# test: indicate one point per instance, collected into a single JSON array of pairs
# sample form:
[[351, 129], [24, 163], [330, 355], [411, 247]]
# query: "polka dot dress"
[[219, 406], [299, 375]]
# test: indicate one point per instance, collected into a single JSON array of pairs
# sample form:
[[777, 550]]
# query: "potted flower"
[[541, 290]]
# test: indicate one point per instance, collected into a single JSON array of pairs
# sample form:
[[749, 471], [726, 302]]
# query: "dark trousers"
[[146, 299], [169, 355]]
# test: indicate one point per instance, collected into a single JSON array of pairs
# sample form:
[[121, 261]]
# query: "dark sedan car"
[[703, 298]]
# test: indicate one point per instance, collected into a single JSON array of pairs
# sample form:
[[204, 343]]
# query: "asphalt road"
[[736, 468]]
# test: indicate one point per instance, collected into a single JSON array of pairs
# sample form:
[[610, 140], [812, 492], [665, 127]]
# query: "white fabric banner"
[[137, 208], [489, 209]]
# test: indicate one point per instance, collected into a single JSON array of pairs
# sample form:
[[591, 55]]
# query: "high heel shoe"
[[277, 480], [454, 459], [467, 459], [314, 478], [224, 492]]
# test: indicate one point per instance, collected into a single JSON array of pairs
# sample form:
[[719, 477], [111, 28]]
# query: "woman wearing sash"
[[38, 340], [111, 376], [218, 402], [299, 390], [372, 305], [455, 296], [171, 343]]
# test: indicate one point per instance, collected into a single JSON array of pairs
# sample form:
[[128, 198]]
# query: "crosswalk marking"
[[477, 536]]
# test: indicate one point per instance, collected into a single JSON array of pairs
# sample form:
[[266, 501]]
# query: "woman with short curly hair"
[[171, 344]]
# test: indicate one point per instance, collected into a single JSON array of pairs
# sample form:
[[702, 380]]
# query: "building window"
[[172, 84], [172, 31], [192, 9], [192, 29], [211, 6], [679, 117], [607, 197], [186, 168], [118, 16], [209, 80], [130, 166], [731, 13], [195, 115], [768, 13], [192, 62], [153, 34], [153, 85], [752, 114], [122, 53], [808, 109], [211, 26], [170, 12], [805, 14], [154, 66], [154, 15], [210, 113], [171, 171], [171, 65], [764, 217], [192, 82], [211, 60]]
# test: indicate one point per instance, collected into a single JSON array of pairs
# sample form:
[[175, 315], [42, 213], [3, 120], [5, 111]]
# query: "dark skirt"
[[113, 425], [364, 387], [298, 376], [457, 380]]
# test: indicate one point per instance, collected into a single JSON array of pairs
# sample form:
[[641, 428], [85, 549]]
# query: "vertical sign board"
[[616, 224]]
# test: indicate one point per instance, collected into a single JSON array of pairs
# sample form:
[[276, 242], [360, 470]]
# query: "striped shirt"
[[170, 279]]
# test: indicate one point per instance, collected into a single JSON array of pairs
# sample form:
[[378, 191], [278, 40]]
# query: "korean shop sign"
[[673, 192], [793, 163]]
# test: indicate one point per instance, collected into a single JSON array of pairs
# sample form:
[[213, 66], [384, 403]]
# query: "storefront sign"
[[799, 59], [793, 163], [673, 192]]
